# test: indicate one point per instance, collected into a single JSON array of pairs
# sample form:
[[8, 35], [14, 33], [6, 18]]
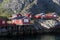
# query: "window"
[[26, 20], [3, 22]]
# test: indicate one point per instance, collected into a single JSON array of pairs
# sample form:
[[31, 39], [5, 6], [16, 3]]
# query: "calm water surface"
[[39, 37]]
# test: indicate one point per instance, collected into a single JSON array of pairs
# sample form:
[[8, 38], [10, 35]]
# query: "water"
[[39, 37]]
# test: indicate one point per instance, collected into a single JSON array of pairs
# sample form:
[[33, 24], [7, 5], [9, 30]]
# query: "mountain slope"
[[40, 6]]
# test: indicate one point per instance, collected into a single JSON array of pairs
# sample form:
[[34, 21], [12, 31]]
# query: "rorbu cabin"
[[3, 22], [28, 15], [21, 20], [50, 15], [46, 16], [39, 16]]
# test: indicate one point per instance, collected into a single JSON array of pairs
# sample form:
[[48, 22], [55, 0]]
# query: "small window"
[[26, 20], [55, 16], [3, 22]]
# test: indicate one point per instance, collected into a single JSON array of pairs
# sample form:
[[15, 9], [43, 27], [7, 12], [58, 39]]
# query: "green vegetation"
[[4, 12]]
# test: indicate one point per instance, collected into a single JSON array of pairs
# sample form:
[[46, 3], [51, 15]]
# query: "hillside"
[[8, 7]]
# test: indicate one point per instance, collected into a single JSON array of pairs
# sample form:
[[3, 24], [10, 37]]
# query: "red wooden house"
[[21, 20], [50, 15], [46, 16], [39, 16], [3, 22]]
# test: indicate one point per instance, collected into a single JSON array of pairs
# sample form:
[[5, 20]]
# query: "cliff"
[[38, 7]]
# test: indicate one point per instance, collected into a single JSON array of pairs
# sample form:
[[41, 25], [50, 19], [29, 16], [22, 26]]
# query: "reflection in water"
[[40, 37], [48, 37], [57, 37], [11, 38]]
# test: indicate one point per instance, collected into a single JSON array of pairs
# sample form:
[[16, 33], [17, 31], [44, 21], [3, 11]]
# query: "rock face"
[[17, 5], [57, 1], [40, 6], [49, 23], [1, 0]]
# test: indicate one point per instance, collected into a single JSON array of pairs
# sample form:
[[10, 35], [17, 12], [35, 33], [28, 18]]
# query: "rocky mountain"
[[57, 1], [38, 7]]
